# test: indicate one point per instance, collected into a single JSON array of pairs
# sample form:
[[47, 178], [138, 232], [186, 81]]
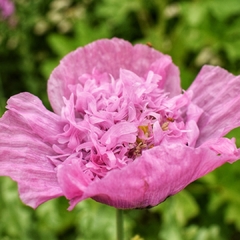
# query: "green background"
[[194, 33]]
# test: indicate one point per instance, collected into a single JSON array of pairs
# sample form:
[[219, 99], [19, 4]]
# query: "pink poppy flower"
[[122, 132]]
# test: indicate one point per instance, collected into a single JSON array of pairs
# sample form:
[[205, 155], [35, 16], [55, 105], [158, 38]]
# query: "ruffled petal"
[[71, 178], [159, 173], [42, 122], [193, 114], [108, 56], [24, 150], [216, 91], [119, 133], [170, 75]]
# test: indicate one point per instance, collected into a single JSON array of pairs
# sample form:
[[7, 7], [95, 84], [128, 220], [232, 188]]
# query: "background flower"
[[6, 8]]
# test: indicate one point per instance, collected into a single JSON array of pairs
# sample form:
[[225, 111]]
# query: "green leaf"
[[223, 10]]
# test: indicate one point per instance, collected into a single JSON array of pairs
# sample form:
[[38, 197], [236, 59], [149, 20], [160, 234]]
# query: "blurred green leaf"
[[223, 10]]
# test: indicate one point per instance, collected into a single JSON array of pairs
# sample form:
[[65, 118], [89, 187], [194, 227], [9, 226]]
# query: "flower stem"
[[119, 222]]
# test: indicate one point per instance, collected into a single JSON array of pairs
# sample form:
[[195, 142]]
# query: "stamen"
[[170, 119], [145, 130], [143, 142], [165, 126]]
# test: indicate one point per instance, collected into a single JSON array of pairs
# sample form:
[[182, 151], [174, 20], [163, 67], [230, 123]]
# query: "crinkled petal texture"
[[122, 133], [27, 131], [216, 92]]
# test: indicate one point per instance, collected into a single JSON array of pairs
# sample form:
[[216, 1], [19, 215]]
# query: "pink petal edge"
[[108, 56], [157, 174], [24, 157]]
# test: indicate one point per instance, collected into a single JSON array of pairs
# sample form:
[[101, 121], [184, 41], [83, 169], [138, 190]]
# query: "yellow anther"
[[144, 129], [165, 126]]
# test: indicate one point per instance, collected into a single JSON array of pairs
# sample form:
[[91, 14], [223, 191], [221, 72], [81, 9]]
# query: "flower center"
[[145, 138], [143, 142]]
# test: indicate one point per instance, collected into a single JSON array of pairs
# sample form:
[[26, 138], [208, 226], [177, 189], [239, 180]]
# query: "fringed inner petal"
[[110, 122]]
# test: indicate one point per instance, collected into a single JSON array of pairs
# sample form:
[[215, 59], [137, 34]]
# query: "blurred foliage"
[[194, 33]]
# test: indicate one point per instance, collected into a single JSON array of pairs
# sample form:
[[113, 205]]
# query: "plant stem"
[[119, 222]]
